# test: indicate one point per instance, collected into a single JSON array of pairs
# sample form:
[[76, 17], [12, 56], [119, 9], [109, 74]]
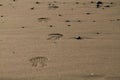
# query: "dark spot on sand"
[[93, 21], [98, 4], [54, 1], [118, 19], [97, 33], [78, 20], [107, 6], [1, 4], [59, 15], [32, 8], [1, 16], [50, 25], [69, 25], [76, 2], [78, 37], [22, 27], [67, 21], [88, 13], [92, 2], [14, 0], [13, 52], [111, 3], [37, 2]]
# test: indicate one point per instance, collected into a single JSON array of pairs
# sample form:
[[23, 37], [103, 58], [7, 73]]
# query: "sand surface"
[[59, 40]]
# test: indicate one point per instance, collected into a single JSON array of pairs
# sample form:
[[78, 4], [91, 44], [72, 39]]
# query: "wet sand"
[[59, 40]]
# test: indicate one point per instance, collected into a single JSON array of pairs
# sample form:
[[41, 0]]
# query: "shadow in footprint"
[[54, 36], [43, 19]]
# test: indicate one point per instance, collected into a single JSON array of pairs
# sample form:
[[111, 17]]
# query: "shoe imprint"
[[54, 36], [39, 61], [43, 19]]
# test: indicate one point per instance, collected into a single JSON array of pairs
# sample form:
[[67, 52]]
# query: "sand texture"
[[59, 40]]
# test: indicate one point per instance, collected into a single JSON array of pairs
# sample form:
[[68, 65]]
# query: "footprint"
[[39, 61], [52, 6], [54, 36], [43, 19]]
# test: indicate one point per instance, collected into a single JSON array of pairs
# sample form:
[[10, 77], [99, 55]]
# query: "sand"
[[59, 40]]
